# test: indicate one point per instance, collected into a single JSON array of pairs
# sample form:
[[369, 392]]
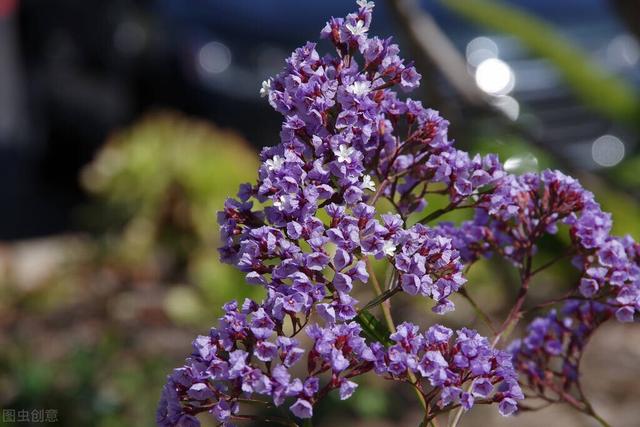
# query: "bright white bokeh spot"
[[624, 51], [608, 150], [214, 57], [495, 77], [508, 105], [481, 49], [521, 164]]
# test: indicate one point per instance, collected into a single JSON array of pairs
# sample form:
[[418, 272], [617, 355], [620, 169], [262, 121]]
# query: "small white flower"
[[368, 184], [344, 153], [359, 29], [388, 248], [275, 163], [266, 87], [359, 88], [365, 4], [282, 200]]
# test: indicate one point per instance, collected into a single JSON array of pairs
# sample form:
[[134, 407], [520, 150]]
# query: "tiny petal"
[[347, 388], [302, 409]]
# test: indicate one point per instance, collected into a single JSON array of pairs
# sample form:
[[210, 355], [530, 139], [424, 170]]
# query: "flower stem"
[[386, 311], [515, 313], [507, 326], [588, 408], [266, 420], [597, 417], [437, 213]]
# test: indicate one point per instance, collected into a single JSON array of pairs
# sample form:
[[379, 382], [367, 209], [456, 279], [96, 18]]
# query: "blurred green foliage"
[[627, 172], [159, 185], [96, 332]]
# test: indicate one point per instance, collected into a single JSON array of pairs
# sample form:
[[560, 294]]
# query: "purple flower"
[[223, 410], [347, 388], [482, 387], [200, 391], [409, 78], [429, 265], [448, 366], [302, 408], [588, 287], [307, 228], [507, 406], [339, 347], [559, 338], [265, 351]]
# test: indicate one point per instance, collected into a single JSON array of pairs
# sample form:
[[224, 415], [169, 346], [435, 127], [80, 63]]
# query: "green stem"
[[386, 311], [508, 325], [435, 214], [381, 298], [589, 407], [597, 417]]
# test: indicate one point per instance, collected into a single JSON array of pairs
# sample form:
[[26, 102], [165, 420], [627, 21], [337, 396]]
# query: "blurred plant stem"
[[436, 48], [589, 411]]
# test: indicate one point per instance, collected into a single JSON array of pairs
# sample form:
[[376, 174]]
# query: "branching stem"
[[386, 311]]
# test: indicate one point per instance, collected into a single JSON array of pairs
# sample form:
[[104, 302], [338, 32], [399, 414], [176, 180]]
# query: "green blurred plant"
[[94, 333], [159, 185]]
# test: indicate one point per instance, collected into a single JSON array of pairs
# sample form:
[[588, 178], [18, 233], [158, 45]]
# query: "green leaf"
[[381, 298], [598, 88], [433, 215], [373, 329]]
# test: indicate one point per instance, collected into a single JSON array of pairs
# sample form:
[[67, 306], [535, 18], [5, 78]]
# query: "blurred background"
[[125, 124]]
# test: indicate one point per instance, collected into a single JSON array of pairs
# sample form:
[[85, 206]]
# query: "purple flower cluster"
[[611, 274], [340, 150], [340, 350], [524, 208], [247, 356], [307, 229], [521, 209], [549, 355], [242, 357], [429, 265], [458, 373]]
